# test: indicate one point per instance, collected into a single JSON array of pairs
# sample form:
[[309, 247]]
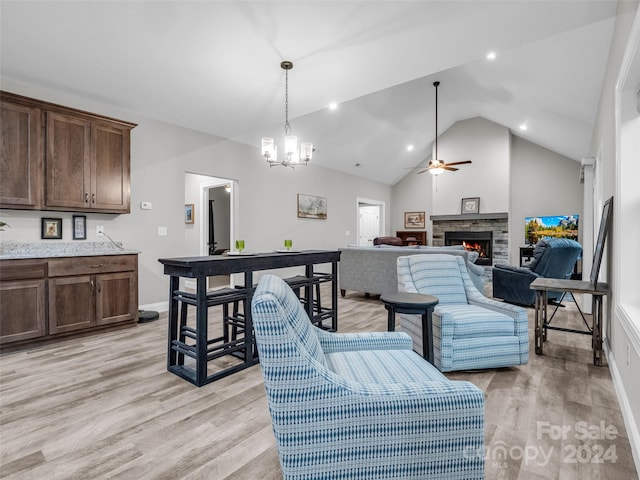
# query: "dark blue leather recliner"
[[552, 258]]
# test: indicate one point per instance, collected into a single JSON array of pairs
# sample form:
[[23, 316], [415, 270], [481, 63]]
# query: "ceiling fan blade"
[[459, 163], [451, 169], [422, 171]]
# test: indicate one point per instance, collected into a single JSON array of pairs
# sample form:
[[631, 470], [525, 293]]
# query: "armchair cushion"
[[473, 321]]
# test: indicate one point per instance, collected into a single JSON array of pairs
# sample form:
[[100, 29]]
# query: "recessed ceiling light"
[[523, 127], [333, 106], [409, 148], [491, 56]]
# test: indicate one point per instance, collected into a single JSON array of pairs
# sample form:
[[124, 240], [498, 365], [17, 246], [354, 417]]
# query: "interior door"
[[369, 227]]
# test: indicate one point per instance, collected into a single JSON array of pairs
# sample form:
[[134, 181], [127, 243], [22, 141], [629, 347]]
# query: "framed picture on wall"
[[470, 205], [311, 206], [51, 228], [189, 213], [79, 227], [414, 219]]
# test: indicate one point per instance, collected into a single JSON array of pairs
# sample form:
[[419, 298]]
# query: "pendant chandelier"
[[292, 154]]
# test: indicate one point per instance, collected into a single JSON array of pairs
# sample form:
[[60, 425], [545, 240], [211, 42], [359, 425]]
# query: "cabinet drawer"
[[89, 265], [22, 269]]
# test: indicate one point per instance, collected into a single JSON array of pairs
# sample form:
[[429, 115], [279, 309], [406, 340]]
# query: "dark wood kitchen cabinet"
[[86, 292], [80, 160], [21, 166], [45, 299], [22, 300]]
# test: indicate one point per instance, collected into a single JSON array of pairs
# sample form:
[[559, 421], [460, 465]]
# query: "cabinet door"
[[110, 168], [71, 303], [20, 156], [116, 299], [22, 304], [68, 162]]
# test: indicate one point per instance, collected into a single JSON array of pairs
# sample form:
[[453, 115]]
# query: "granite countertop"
[[9, 251]]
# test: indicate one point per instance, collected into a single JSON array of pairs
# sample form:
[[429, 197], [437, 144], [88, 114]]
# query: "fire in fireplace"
[[480, 242]]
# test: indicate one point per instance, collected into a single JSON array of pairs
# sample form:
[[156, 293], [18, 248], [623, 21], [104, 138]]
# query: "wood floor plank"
[[105, 407]]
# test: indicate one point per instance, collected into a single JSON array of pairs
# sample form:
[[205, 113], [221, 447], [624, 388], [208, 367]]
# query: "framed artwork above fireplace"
[[470, 205]]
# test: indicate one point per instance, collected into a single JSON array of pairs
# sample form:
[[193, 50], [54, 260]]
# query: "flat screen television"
[[563, 226]]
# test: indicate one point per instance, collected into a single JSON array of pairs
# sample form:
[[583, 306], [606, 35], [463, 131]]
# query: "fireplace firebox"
[[480, 242]]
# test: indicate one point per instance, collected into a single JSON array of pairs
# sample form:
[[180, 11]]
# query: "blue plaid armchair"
[[470, 331], [360, 405]]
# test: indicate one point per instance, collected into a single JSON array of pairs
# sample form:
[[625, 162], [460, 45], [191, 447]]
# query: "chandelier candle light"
[[293, 155]]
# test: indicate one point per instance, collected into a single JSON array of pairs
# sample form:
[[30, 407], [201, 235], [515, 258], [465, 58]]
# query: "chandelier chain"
[[287, 127]]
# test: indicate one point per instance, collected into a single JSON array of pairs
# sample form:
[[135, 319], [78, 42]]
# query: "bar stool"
[[228, 342]]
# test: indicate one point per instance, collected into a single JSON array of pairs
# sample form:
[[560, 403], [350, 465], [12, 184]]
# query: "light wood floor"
[[105, 407]]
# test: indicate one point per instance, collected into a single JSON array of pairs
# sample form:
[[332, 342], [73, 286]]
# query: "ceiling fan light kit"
[[292, 154], [437, 166]]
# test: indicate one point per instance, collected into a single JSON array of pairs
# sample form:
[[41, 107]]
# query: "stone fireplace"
[[486, 231]]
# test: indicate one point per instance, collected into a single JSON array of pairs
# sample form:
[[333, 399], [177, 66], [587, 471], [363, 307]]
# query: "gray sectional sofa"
[[373, 270]]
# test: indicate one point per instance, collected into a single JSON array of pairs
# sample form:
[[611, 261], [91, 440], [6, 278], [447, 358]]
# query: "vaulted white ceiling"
[[214, 66]]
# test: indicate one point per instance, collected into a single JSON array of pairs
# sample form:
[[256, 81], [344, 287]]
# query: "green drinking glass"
[[288, 244], [240, 245]]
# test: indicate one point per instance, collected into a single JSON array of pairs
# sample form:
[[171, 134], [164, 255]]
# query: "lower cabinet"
[[67, 295], [23, 294]]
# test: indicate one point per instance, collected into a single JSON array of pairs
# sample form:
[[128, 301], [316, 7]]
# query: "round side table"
[[416, 303]]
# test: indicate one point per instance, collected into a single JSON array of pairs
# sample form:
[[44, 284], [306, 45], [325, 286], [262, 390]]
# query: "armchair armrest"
[[343, 342]]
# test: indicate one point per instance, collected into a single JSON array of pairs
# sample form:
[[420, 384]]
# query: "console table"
[[544, 285], [202, 267]]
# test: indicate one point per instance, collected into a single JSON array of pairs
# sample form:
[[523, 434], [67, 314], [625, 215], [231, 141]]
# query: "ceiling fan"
[[437, 166]]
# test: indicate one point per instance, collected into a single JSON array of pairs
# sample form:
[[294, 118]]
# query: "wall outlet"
[[100, 229], [628, 355], [146, 205], [162, 231]]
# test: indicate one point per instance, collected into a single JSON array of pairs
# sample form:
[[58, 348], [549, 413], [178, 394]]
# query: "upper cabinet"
[[81, 159], [21, 181]]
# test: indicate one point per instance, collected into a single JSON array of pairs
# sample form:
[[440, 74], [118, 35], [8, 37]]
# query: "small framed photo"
[[188, 213], [470, 205], [79, 227], [51, 228], [414, 219]]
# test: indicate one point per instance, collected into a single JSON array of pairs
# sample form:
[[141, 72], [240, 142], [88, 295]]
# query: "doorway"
[[370, 221], [216, 220]]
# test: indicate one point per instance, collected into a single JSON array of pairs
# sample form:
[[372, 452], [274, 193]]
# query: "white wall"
[[161, 154], [411, 194], [622, 324], [542, 183], [486, 144]]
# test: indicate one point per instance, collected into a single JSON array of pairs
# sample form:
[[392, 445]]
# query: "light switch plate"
[[162, 231]]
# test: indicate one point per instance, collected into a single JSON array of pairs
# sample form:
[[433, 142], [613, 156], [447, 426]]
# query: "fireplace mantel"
[[470, 216]]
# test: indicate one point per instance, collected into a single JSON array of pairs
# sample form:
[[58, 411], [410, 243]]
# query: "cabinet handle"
[[99, 286], [99, 265], [86, 198], [93, 198], [92, 285]]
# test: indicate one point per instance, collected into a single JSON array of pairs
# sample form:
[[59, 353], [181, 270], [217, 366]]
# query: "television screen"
[[563, 226]]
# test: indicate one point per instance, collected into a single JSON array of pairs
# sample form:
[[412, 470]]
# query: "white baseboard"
[[158, 307], [627, 413]]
